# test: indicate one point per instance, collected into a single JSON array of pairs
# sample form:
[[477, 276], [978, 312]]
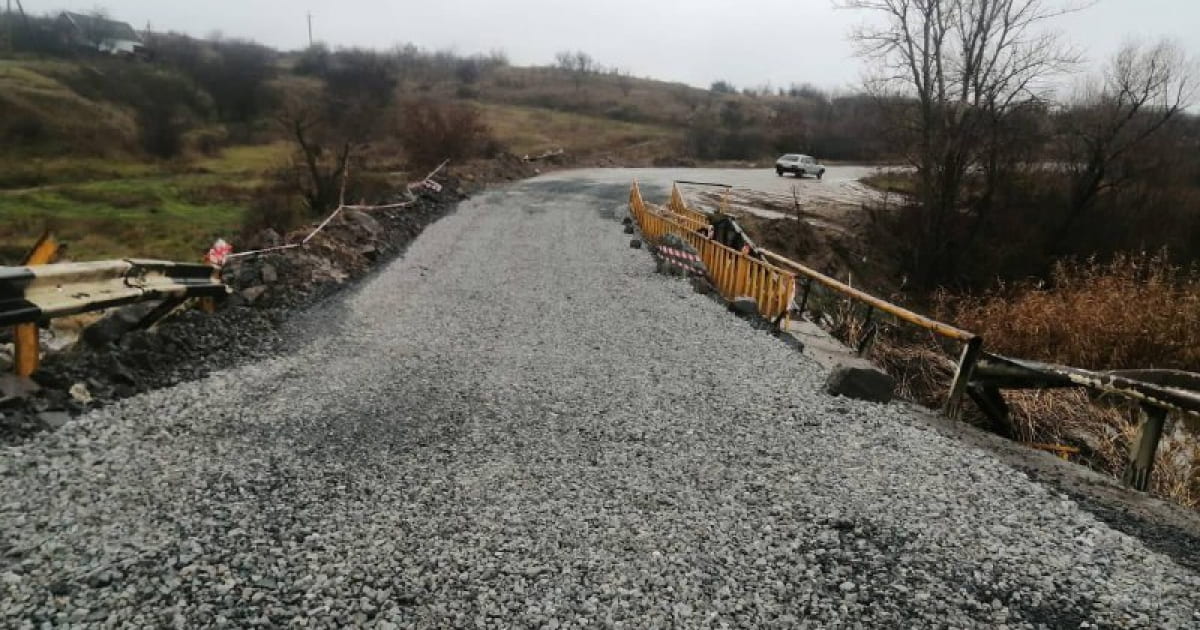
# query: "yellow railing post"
[[26, 353], [733, 273]]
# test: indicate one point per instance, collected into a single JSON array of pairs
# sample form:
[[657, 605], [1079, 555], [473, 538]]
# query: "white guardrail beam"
[[43, 292]]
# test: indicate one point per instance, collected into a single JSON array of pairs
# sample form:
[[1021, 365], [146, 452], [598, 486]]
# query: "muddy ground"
[[833, 212]]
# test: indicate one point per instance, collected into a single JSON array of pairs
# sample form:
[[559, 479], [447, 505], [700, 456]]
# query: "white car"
[[799, 165]]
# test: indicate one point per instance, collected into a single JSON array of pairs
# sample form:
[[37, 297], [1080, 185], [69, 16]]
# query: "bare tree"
[[1142, 90], [957, 69], [323, 159], [624, 81], [578, 63]]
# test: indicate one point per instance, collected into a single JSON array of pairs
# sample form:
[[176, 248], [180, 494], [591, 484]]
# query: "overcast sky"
[[748, 42]]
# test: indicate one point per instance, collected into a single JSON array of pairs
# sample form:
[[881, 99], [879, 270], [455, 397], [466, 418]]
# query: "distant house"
[[98, 33]]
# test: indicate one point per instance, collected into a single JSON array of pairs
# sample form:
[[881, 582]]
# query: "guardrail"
[[733, 273], [677, 205], [972, 343], [1158, 391], [38, 292], [981, 375]]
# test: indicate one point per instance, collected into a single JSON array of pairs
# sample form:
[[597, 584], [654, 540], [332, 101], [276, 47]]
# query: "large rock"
[[676, 242], [116, 324], [862, 383], [744, 305], [6, 356], [267, 238], [252, 294], [80, 394]]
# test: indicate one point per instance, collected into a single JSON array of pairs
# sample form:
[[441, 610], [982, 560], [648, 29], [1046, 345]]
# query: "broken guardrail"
[[972, 343], [732, 272], [36, 293], [981, 375], [1158, 391]]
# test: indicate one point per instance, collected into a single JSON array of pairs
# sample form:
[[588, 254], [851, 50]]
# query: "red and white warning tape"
[[678, 253], [679, 258], [221, 252]]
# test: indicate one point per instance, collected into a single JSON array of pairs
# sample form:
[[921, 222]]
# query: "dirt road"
[[827, 203]]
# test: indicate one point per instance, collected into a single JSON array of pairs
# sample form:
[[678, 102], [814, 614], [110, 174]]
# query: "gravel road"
[[519, 424]]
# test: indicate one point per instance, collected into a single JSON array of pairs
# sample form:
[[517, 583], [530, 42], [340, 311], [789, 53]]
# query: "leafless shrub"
[[322, 153], [1134, 311], [578, 63], [275, 207], [952, 73], [1142, 91], [431, 131]]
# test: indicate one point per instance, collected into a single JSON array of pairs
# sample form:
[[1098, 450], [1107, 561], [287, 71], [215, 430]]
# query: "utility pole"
[[310, 42], [8, 27]]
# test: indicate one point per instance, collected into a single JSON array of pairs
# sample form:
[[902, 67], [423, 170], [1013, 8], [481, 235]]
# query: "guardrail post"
[[1141, 452], [962, 377], [804, 299], [26, 349], [164, 309], [868, 332], [991, 402]]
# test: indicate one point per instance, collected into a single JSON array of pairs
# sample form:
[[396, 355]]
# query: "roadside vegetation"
[[1061, 227]]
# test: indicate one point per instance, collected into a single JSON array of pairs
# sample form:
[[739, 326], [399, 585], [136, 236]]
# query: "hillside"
[[159, 157]]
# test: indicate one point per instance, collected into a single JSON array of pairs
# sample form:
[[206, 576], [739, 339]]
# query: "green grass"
[[248, 159], [150, 218], [122, 209]]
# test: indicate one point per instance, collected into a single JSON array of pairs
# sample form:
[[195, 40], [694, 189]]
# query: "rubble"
[[744, 306], [861, 382], [116, 360]]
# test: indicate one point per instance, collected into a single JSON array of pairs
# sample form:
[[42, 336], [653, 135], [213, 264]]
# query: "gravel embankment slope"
[[520, 424]]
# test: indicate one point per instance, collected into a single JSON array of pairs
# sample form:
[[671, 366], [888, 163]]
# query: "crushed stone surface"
[[520, 424]]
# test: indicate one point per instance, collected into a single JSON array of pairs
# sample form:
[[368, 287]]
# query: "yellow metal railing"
[[678, 206], [733, 273]]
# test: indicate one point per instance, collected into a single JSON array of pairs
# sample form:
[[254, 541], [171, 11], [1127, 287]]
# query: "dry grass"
[[41, 110], [530, 130], [603, 95], [1103, 428], [1082, 318], [1138, 311]]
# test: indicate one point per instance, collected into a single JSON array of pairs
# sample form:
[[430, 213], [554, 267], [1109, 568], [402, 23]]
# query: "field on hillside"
[[73, 161], [531, 130], [126, 208], [158, 158]]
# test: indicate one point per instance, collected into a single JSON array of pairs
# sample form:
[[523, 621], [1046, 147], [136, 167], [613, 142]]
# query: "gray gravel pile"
[[521, 424]]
